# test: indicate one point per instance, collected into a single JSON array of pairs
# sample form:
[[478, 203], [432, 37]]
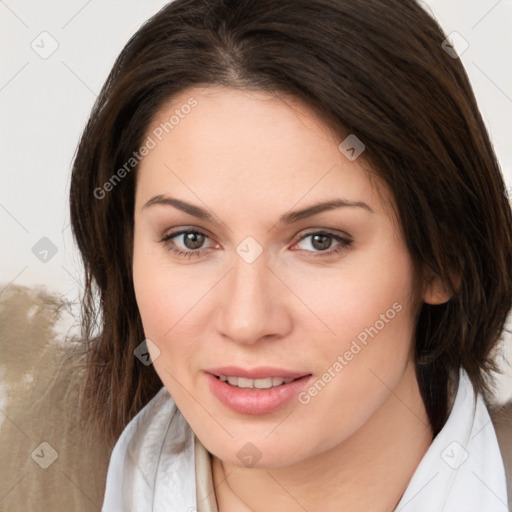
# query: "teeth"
[[246, 383], [267, 383]]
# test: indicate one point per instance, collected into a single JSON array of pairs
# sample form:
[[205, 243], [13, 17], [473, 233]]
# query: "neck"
[[368, 471]]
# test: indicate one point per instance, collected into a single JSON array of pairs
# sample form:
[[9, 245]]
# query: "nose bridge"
[[250, 306]]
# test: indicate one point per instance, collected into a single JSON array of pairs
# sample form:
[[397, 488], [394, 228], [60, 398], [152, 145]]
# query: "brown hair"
[[373, 68]]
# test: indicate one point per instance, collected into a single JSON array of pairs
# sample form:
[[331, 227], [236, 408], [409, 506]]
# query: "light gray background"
[[46, 101]]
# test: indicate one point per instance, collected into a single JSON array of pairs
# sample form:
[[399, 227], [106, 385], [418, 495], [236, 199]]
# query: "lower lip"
[[256, 401]]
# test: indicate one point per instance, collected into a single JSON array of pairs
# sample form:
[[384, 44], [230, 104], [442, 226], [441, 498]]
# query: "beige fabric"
[[502, 419], [205, 492], [75, 481], [39, 402]]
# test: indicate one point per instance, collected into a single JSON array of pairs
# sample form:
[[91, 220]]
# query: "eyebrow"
[[287, 218]]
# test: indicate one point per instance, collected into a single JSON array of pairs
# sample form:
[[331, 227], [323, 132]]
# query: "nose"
[[252, 303]]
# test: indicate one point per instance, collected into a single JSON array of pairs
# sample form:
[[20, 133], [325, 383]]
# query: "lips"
[[255, 401]]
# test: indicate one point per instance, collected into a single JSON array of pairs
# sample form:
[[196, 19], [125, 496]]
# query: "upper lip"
[[260, 372]]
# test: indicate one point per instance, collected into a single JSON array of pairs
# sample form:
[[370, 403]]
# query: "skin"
[[249, 157]]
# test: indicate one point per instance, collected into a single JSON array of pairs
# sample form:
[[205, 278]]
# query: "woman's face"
[[260, 290]]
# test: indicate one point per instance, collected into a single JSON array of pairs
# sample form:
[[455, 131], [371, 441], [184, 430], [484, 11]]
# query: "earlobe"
[[435, 291]]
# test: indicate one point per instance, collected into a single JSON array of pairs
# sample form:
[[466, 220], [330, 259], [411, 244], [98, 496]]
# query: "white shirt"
[[152, 465]]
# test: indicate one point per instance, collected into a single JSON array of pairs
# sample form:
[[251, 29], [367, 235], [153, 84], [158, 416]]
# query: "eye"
[[322, 241], [192, 240]]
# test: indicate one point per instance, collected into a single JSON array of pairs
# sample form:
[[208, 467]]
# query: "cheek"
[[171, 310], [163, 309], [159, 292], [372, 316], [357, 367], [370, 322], [156, 298], [160, 310], [366, 298]]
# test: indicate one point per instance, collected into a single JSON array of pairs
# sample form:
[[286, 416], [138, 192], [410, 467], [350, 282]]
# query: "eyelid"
[[327, 231], [169, 235]]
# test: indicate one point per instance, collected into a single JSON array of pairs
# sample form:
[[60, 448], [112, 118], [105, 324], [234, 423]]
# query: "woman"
[[299, 198]]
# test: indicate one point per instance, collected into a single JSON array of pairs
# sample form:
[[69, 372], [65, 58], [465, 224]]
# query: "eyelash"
[[344, 243]]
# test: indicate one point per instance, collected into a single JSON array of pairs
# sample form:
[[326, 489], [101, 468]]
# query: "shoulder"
[[143, 435], [156, 447], [501, 416]]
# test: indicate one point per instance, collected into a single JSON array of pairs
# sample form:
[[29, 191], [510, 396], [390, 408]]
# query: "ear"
[[435, 291]]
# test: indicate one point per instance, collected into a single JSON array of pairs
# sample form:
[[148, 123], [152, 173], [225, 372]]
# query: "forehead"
[[248, 149]]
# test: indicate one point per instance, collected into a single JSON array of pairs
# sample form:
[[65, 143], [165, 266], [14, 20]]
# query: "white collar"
[[463, 469], [152, 465]]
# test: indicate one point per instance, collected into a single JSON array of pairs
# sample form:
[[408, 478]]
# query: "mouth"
[[256, 391], [261, 377], [266, 383]]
